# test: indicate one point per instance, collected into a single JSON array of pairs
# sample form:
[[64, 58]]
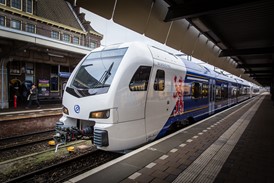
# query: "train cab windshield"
[[96, 72]]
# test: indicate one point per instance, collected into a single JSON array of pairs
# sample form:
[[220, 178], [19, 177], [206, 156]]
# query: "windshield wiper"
[[106, 75]]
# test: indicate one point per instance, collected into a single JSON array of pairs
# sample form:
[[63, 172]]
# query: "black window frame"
[[196, 90], [140, 80], [160, 77]]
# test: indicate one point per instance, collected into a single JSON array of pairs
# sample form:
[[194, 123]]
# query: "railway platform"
[[235, 145], [21, 121]]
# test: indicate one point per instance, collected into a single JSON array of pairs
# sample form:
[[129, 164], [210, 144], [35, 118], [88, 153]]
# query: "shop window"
[[15, 24], [55, 35], [29, 68], [54, 81], [196, 90], [29, 6], [30, 28], [159, 82], [3, 2], [140, 79], [29, 78], [76, 40], [64, 69], [15, 68], [2, 21], [16, 4], [66, 37]]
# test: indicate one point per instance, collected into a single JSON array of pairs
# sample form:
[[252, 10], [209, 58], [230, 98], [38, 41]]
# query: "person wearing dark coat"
[[33, 96]]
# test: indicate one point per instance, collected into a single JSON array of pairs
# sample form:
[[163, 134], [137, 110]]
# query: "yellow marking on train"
[[196, 76]]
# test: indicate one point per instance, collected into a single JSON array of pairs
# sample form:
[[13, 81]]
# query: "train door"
[[158, 105], [230, 100], [211, 105]]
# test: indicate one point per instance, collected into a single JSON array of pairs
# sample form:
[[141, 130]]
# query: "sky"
[[114, 33]]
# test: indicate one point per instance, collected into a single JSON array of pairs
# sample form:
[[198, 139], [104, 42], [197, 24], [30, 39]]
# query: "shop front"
[[50, 80]]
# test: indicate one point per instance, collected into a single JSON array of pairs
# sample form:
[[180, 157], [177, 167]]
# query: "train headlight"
[[65, 110], [100, 114]]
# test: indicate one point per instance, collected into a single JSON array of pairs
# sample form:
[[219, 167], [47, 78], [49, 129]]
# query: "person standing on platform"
[[33, 96]]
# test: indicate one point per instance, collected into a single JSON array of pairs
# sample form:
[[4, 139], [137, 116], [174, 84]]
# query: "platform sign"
[[43, 87]]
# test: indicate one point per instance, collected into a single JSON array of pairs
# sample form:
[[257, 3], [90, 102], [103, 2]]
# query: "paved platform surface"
[[235, 145], [252, 159], [23, 113]]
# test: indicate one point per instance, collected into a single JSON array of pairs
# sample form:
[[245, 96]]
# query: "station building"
[[41, 42]]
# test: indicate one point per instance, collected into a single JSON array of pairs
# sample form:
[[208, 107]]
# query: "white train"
[[128, 94]]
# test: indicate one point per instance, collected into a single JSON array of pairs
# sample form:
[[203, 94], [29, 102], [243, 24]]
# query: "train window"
[[159, 82], [224, 92], [242, 92], [205, 90], [140, 79], [196, 90], [96, 73], [218, 93], [187, 89], [233, 91]]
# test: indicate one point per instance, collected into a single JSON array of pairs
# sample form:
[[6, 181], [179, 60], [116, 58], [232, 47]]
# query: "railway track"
[[59, 168], [22, 140], [22, 145]]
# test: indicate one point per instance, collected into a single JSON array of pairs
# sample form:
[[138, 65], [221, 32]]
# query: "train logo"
[[77, 109]]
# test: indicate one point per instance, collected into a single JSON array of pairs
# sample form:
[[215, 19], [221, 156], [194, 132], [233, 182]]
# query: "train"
[[125, 95]]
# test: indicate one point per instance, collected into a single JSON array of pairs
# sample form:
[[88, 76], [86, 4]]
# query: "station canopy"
[[236, 36]]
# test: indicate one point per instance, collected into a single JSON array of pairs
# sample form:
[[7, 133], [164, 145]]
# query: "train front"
[[86, 98], [94, 100]]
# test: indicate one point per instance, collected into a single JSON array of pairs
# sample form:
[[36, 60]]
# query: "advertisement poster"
[[43, 87]]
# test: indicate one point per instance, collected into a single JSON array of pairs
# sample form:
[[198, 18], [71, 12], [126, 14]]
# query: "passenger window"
[[205, 90], [218, 93], [159, 82], [224, 92], [187, 89], [140, 79], [234, 91], [196, 90]]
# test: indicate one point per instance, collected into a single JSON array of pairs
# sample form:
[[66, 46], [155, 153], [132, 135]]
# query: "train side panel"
[[165, 91]]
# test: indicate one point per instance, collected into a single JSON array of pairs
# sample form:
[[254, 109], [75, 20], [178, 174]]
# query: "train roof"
[[198, 68], [207, 70]]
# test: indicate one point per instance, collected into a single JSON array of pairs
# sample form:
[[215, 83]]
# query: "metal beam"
[[249, 51], [191, 9], [258, 72], [262, 77], [255, 75], [253, 65]]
